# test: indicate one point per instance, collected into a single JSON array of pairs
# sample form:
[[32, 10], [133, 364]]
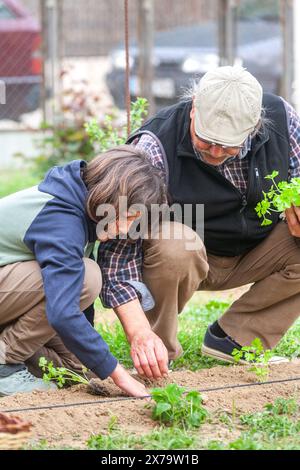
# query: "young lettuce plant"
[[257, 356], [174, 406], [280, 197], [61, 375]]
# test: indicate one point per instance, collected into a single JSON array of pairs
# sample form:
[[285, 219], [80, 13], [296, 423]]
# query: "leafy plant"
[[80, 136], [257, 355], [176, 407], [61, 375], [280, 197], [109, 135]]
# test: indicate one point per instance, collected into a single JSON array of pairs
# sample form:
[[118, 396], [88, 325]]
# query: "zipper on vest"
[[244, 203], [244, 223]]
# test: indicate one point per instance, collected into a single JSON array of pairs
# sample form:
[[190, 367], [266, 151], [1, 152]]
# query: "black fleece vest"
[[231, 225]]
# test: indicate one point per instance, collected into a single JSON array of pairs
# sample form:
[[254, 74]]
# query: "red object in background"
[[20, 59]]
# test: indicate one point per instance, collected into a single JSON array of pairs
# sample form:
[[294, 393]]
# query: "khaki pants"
[[25, 334], [266, 311]]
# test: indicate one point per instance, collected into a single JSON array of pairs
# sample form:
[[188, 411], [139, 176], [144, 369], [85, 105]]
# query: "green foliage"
[[60, 145], [175, 407], [108, 135], [159, 439], [76, 139], [116, 339], [275, 421], [193, 323], [280, 197], [289, 345], [257, 355], [60, 375], [276, 427]]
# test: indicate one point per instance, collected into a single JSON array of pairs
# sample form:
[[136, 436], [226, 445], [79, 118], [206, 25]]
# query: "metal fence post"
[[146, 41], [286, 20], [227, 31]]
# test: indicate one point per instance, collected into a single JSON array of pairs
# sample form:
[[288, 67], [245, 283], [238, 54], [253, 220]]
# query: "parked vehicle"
[[20, 59], [184, 53]]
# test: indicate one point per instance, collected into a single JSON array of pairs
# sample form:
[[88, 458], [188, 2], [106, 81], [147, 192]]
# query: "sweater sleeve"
[[57, 238]]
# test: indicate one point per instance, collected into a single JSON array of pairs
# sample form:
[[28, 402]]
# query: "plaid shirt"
[[121, 260]]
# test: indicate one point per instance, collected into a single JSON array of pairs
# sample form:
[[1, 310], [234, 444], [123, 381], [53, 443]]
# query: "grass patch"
[[193, 323], [159, 439], [275, 428], [12, 181]]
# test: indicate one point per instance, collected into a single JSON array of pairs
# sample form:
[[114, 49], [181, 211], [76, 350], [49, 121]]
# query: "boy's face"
[[120, 226]]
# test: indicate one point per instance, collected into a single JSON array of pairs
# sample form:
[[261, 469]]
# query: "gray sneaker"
[[21, 382]]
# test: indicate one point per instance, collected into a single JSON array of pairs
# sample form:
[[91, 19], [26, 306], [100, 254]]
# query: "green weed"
[[257, 355]]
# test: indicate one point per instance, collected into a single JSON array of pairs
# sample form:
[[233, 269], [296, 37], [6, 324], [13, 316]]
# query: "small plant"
[[176, 407], [60, 375], [257, 356], [280, 197]]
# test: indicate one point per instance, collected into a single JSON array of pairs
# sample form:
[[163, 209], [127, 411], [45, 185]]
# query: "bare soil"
[[71, 426]]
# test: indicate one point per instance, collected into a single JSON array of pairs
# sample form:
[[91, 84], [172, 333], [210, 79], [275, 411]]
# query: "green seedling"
[[257, 356], [61, 375], [280, 197], [173, 406]]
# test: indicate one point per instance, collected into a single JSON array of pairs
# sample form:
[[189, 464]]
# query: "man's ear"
[[192, 113]]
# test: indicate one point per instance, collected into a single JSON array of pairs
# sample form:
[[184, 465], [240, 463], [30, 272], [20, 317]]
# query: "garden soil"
[[70, 427]]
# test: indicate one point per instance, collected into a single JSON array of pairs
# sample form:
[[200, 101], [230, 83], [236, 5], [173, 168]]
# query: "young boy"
[[46, 278]]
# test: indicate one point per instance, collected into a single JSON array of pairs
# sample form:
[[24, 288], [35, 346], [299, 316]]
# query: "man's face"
[[211, 153]]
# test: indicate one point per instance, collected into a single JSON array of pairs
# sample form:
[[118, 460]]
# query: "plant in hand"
[[61, 375], [280, 197], [257, 355], [174, 406]]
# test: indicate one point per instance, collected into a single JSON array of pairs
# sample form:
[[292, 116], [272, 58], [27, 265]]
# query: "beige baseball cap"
[[228, 104]]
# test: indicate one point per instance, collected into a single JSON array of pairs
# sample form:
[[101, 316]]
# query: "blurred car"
[[20, 59], [184, 53]]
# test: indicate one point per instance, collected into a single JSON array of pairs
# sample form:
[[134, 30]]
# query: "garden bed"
[[70, 427]]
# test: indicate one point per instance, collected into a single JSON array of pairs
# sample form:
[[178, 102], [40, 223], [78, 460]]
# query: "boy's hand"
[[126, 383]]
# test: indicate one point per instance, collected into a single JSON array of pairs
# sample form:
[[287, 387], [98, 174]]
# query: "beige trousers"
[[25, 334], [266, 311]]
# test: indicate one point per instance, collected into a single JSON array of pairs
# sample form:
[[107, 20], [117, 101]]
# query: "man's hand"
[[293, 220], [149, 354]]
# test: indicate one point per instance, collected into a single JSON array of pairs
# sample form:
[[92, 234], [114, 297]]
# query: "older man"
[[213, 149]]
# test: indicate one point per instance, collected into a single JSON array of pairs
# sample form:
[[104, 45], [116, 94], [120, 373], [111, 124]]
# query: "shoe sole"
[[214, 353]]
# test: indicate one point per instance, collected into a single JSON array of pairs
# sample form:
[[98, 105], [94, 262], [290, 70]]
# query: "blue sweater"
[[49, 223]]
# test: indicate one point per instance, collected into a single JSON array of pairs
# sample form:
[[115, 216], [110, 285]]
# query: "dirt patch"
[[70, 427]]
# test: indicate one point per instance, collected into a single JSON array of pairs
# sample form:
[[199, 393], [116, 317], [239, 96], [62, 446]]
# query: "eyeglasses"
[[225, 147]]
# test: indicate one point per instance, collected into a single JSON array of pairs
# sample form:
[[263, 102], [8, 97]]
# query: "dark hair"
[[122, 171]]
